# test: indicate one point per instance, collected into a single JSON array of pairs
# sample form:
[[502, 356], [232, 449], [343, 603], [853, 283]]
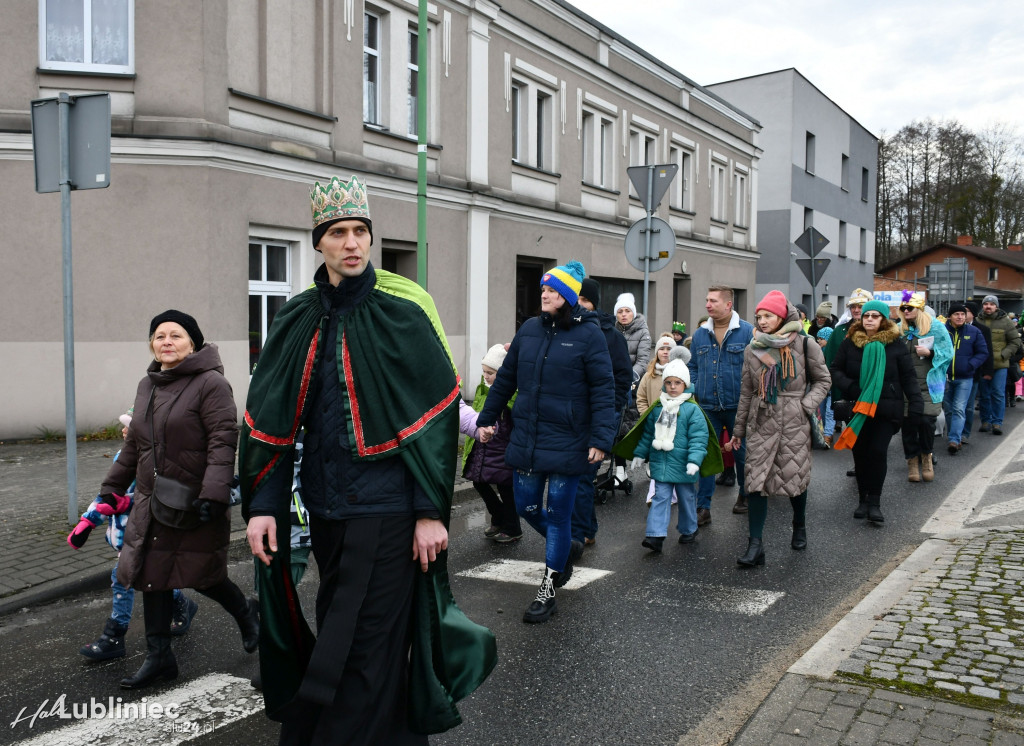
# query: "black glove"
[[209, 510]]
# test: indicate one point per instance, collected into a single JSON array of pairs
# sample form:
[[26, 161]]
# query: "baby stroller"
[[608, 481]]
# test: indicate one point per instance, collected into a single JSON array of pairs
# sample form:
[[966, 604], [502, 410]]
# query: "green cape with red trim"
[[394, 409]]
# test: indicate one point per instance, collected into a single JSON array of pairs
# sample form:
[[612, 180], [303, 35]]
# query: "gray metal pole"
[[647, 233], [70, 429]]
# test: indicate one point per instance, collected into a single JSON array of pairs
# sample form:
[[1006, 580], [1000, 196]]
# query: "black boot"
[[862, 507], [575, 552], [799, 541], [157, 607], [729, 476], [754, 555], [544, 605], [109, 645], [654, 543], [249, 624], [874, 509]]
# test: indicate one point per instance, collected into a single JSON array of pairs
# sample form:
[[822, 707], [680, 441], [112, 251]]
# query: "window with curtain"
[[87, 35]]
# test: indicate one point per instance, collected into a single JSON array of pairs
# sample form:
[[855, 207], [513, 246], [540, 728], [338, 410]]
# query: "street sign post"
[[651, 182], [71, 150], [812, 243]]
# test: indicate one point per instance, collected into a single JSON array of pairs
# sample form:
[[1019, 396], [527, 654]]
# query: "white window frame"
[[372, 59], [412, 71], [741, 197], [86, 66], [718, 184], [643, 151], [533, 93], [265, 289], [598, 136], [993, 274]]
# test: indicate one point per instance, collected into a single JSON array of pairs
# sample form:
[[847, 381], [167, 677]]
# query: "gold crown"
[[338, 199]]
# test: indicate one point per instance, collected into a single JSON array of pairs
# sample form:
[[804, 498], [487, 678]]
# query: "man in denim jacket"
[[716, 367]]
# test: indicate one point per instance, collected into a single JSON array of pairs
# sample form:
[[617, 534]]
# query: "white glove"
[[692, 469], [636, 463]]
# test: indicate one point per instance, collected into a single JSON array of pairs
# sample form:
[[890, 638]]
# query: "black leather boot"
[[654, 543], [249, 624], [157, 607], [862, 507], [874, 509], [799, 541], [754, 555]]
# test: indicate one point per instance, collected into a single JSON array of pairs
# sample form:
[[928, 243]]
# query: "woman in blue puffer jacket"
[[563, 419]]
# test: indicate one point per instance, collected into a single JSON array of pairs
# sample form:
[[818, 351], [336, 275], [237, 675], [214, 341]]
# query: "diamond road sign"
[[812, 242]]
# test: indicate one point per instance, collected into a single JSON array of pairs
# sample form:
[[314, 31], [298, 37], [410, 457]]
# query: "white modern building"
[[819, 169]]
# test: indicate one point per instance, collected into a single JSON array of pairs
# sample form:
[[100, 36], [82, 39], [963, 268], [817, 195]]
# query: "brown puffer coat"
[[197, 428], [779, 435]]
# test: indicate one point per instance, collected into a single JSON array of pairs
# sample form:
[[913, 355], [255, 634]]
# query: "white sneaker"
[[620, 474]]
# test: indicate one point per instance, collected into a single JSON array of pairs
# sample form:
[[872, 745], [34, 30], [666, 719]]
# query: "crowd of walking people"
[[331, 409]]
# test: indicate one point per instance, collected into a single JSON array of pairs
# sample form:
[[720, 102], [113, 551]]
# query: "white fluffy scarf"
[[665, 426]]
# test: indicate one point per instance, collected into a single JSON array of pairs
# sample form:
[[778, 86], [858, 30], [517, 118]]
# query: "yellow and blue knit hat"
[[566, 280]]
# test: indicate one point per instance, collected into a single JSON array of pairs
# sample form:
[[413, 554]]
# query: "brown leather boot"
[[914, 469], [927, 467], [741, 504]]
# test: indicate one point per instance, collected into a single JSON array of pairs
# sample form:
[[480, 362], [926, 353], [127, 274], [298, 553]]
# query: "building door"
[[528, 276]]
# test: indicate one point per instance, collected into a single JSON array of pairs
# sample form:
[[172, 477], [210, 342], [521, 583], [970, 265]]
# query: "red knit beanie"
[[775, 302]]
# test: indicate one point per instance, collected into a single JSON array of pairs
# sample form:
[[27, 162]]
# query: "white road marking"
[[530, 573], [201, 706], [1008, 476], [997, 510], [751, 602], [719, 598], [956, 509]]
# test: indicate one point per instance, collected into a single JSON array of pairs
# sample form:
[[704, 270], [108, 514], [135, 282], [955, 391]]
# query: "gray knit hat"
[[990, 299]]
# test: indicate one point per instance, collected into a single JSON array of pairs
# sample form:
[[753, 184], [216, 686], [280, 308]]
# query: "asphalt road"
[[662, 648]]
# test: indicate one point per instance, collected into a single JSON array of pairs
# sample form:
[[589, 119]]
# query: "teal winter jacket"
[[691, 445]]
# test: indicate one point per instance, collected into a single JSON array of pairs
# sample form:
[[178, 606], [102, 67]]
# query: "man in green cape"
[[393, 652]]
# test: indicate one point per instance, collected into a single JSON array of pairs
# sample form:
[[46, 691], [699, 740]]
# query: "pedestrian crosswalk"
[[530, 573]]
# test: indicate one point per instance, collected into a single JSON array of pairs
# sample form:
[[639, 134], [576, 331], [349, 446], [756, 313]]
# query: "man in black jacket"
[[984, 372], [584, 517]]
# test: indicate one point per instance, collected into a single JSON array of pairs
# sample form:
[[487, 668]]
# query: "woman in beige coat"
[[784, 379]]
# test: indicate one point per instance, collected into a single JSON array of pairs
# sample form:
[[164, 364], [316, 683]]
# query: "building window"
[[864, 185], [517, 123], [598, 133], [739, 182], [87, 35], [808, 218], [718, 196], [643, 148], [842, 238], [809, 154], [863, 244], [993, 274], [681, 190], [269, 287], [844, 174], [413, 76], [371, 68], [544, 133]]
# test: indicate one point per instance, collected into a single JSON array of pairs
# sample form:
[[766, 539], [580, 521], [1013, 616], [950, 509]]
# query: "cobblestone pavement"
[[960, 627]]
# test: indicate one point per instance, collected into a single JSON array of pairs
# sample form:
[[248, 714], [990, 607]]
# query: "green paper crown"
[[338, 199], [679, 326]]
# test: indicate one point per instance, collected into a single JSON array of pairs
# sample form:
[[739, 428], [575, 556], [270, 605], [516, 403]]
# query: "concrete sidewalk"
[[37, 564]]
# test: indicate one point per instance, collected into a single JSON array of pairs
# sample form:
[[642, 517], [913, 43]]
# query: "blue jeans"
[[828, 417], [706, 487], [661, 508], [954, 405], [123, 600], [969, 412], [993, 398], [584, 516], [554, 521]]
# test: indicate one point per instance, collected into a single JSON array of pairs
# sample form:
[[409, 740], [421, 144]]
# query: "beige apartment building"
[[225, 111]]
